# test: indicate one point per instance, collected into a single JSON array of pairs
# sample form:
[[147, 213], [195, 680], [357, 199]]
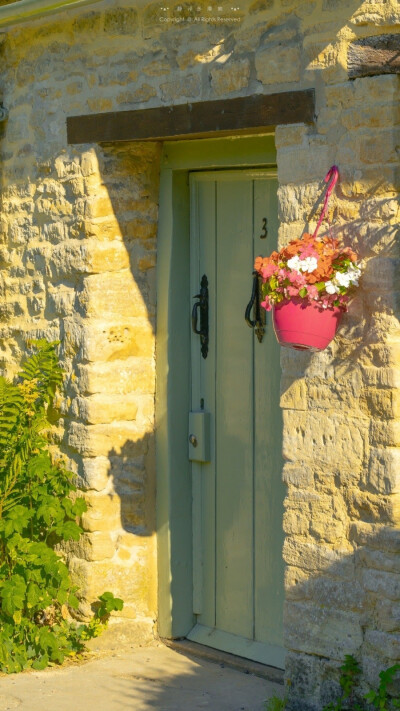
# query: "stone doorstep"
[[224, 659]]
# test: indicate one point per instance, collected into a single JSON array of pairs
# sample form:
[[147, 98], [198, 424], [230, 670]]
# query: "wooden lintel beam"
[[248, 113], [374, 55]]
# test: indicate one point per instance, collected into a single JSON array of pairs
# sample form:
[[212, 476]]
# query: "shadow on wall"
[[341, 603]]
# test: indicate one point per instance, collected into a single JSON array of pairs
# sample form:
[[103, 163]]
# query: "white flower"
[[343, 279], [294, 263], [308, 264], [331, 288], [303, 265]]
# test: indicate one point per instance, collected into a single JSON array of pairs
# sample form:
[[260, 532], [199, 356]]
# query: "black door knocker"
[[201, 304], [258, 321]]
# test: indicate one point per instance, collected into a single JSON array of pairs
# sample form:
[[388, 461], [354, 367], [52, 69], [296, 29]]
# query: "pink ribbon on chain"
[[332, 176]]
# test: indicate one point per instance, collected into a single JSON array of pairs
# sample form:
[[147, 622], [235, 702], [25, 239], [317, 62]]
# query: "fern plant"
[[39, 508]]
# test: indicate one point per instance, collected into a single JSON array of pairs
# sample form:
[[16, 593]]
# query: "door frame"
[[174, 485]]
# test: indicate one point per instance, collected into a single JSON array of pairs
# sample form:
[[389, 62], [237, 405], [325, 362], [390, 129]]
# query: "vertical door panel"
[[234, 412], [269, 489], [203, 224]]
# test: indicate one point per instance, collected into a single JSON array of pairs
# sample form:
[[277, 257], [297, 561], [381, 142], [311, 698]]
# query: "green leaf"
[[73, 601], [41, 663]]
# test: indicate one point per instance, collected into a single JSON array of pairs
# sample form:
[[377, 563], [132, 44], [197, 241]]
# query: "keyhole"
[[264, 232]]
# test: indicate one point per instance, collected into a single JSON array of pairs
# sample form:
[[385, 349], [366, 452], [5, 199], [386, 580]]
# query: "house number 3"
[[264, 232]]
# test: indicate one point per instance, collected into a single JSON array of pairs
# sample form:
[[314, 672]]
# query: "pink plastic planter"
[[304, 325]]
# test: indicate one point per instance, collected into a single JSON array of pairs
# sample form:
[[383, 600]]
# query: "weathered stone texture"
[[78, 229]]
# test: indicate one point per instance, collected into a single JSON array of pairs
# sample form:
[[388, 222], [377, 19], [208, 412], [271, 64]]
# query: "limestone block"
[[376, 14], [373, 506], [344, 594], [106, 256], [101, 408], [121, 21], [383, 643], [130, 582], [313, 557], [383, 583], [380, 148], [367, 117], [302, 164], [385, 433], [338, 439], [290, 135], [379, 560], [88, 22], [98, 207], [303, 674], [327, 631], [92, 546], [382, 377], [103, 440], [104, 341], [375, 536], [139, 95], [118, 377], [296, 583], [187, 86], [296, 522], [278, 64], [327, 530], [298, 474], [293, 394], [381, 273], [157, 67], [231, 77], [103, 514], [388, 616], [95, 473], [112, 294], [384, 470]]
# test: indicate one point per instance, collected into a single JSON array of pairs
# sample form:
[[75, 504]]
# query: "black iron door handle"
[[202, 306], [258, 322]]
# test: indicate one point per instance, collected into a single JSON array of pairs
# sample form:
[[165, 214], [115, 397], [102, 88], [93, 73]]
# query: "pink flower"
[[294, 276], [312, 291], [283, 273], [308, 251], [268, 270], [297, 278], [293, 290], [266, 304]]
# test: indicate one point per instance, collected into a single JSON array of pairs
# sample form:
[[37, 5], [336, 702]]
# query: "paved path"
[[139, 679]]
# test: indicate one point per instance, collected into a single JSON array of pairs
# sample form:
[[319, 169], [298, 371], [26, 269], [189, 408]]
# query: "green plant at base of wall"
[[349, 679], [380, 699], [39, 508], [275, 704]]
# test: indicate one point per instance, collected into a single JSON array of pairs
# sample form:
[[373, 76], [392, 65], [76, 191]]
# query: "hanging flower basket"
[[308, 285], [305, 325]]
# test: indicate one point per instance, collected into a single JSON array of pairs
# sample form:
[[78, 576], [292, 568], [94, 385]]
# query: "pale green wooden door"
[[238, 494]]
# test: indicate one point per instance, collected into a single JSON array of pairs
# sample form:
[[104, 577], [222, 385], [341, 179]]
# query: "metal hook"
[[259, 322]]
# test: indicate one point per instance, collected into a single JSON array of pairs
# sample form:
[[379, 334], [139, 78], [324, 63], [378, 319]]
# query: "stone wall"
[[342, 406], [78, 249]]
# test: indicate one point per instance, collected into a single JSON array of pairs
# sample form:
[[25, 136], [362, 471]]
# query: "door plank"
[[269, 489], [234, 466], [203, 388]]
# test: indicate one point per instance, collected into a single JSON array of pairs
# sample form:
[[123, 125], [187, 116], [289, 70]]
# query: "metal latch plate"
[[199, 436]]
